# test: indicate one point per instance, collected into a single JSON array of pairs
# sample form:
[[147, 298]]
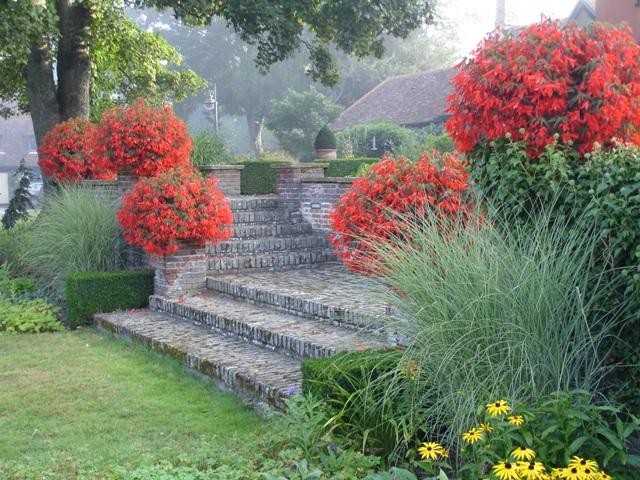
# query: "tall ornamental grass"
[[492, 313], [77, 231]]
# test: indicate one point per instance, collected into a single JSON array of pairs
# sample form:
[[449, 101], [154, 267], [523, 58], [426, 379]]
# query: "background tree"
[[297, 118], [21, 200], [33, 31], [62, 59]]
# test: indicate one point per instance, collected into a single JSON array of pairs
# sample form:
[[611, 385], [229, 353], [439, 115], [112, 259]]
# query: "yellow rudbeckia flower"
[[431, 450], [516, 420], [506, 471], [472, 436], [499, 407], [523, 453]]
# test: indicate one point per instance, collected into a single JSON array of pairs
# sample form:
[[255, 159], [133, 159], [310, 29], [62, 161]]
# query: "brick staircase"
[[273, 298], [267, 236], [250, 335]]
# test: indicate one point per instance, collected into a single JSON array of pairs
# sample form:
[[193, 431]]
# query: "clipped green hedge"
[[257, 177], [345, 167], [98, 292]]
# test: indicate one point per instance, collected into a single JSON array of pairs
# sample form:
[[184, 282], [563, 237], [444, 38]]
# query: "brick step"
[[264, 327], [238, 204], [280, 229], [325, 293], [268, 245], [232, 363], [250, 217], [270, 261]]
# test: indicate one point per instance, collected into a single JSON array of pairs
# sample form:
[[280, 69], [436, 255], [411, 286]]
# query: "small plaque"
[[316, 205]]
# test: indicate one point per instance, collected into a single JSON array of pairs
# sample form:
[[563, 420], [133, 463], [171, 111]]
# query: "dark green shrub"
[[358, 141], [257, 177], [30, 316], [345, 167], [605, 187], [12, 247], [97, 292], [325, 139]]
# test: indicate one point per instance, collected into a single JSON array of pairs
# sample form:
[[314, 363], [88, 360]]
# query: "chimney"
[[500, 13]]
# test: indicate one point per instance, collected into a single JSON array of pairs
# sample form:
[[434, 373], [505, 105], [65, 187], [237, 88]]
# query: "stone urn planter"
[[325, 144]]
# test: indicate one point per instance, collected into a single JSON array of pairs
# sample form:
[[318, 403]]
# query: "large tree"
[[33, 31], [62, 59]]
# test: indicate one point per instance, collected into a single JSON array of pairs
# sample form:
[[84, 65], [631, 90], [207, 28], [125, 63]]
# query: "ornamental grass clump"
[[174, 206], [66, 153], [76, 231], [141, 140], [492, 312], [381, 204]]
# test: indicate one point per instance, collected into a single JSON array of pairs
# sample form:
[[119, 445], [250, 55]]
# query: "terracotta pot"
[[325, 153]]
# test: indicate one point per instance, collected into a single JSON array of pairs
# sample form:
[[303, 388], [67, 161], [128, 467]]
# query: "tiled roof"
[[412, 100]]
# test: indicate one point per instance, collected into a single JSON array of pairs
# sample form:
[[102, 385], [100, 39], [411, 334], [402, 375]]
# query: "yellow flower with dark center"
[[604, 476], [556, 473], [582, 463], [431, 450], [572, 473], [506, 471], [472, 436], [534, 471], [499, 407], [523, 453], [516, 420], [486, 427]]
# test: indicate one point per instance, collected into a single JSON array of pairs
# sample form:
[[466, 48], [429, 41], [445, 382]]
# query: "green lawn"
[[83, 405]]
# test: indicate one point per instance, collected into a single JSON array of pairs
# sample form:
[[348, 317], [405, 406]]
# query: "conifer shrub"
[[21, 200], [325, 139]]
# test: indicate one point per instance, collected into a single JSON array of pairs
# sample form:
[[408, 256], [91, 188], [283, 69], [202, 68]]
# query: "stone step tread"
[[252, 217], [286, 333], [274, 260], [241, 366], [258, 230], [327, 291], [263, 245], [248, 203]]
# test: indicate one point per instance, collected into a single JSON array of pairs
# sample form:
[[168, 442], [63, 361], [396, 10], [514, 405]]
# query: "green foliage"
[[569, 423], [99, 292], [426, 140], [605, 187], [494, 312], [358, 141], [12, 247], [325, 139], [296, 119], [21, 200], [209, 149], [346, 167], [355, 387], [28, 316], [257, 177], [76, 231]]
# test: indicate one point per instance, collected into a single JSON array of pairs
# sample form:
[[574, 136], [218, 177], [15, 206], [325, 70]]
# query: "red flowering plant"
[[65, 153], [142, 139], [175, 205], [391, 195], [580, 86]]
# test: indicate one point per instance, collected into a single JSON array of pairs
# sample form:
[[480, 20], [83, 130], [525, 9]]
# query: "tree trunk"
[[254, 122], [74, 63], [40, 86], [50, 105]]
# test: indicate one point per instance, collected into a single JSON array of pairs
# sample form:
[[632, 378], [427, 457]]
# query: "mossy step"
[[327, 292], [288, 334], [250, 371], [270, 261]]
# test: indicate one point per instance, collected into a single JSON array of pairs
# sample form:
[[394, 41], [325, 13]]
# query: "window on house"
[[33, 146]]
